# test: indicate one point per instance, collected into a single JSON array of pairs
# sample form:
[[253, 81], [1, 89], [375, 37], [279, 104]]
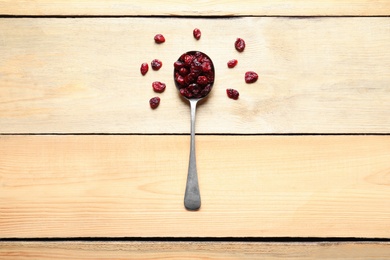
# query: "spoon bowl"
[[194, 77]]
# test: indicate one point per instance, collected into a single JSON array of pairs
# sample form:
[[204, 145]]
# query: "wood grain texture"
[[317, 75], [192, 250], [196, 8], [251, 186]]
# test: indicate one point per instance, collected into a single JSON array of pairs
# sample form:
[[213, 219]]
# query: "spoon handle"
[[192, 194]]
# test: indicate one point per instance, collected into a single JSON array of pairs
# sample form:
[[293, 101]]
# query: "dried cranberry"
[[251, 77], [194, 89], [188, 59], [179, 79], [202, 80], [197, 33], [232, 93], [159, 38], [178, 65], [232, 63], [158, 86], [154, 102], [203, 59], [196, 66], [194, 74], [144, 68], [185, 92], [156, 64], [239, 44], [205, 90], [206, 66], [190, 78], [210, 76], [183, 71]]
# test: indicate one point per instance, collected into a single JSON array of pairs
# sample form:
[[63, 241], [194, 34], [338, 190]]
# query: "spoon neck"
[[193, 104]]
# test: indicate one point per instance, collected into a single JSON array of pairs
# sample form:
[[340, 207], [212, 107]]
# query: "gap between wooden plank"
[[5, 16], [204, 134], [204, 239]]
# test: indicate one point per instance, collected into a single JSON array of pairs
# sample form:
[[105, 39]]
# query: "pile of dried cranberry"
[[194, 72]]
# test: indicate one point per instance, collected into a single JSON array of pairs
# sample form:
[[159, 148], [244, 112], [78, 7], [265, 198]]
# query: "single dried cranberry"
[[185, 92], [251, 77], [210, 76], [203, 59], [190, 78], [158, 86], [188, 59], [144, 68], [159, 38], [178, 65], [206, 66], [205, 90], [156, 64], [196, 67], [183, 71], [182, 56], [197, 33], [202, 80], [239, 44], [232, 63], [232, 93], [194, 89], [154, 102], [179, 79]]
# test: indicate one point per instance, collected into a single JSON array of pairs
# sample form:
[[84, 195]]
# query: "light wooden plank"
[[319, 75], [192, 250], [251, 186], [196, 8]]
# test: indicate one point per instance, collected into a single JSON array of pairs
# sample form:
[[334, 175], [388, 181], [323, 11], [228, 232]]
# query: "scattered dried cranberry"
[[194, 74], [159, 38], [158, 86], [251, 77], [232, 63], [197, 33], [232, 93], [239, 44], [154, 102], [156, 64], [144, 68]]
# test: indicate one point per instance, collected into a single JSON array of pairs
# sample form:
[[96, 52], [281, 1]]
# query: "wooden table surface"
[[298, 167]]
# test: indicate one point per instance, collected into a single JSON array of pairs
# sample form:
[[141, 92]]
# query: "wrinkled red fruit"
[[232, 63], [194, 74], [232, 93], [154, 102], [158, 86], [239, 45], [144, 68], [251, 77], [156, 64], [197, 33], [159, 38]]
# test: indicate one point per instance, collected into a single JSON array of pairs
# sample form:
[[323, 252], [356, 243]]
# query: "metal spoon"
[[192, 193]]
